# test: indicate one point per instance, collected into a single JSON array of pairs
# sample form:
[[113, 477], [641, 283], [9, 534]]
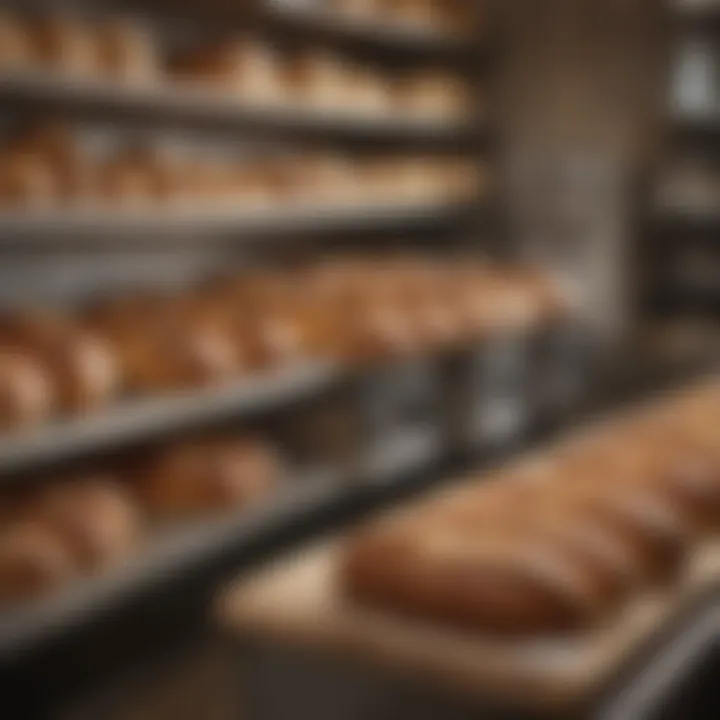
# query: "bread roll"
[[423, 14], [33, 562], [505, 585], [26, 393], [27, 182], [127, 52], [139, 176], [357, 10], [81, 366], [433, 95], [15, 48], [208, 476], [319, 80], [67, 46], [95, 517], [176, 354], [55, 146], [366, 91], [248, 69]]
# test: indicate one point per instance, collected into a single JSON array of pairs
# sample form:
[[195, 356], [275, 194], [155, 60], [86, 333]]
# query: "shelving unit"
[[199, 557], [672, 231]]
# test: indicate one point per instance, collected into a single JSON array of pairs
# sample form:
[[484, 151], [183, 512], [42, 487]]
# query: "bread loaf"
[[15, 48], [127, 53], [555, 544], [66, 46], [81, 366], [26, 392], [207, 476], [248, 69], [506, 584], [27, 182], [33, 562], [94, 517]]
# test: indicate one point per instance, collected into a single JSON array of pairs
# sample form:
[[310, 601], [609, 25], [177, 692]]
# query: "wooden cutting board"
[[297, 602]]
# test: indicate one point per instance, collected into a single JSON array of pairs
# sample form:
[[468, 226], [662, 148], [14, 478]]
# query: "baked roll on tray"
[[549, 547], [82, 369], [69, 528]]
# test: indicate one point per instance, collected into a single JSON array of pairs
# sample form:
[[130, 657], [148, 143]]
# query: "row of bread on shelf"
[[350, 311], [66, 528], [558, 543], [444, 17], [50, 166], [248, 69]]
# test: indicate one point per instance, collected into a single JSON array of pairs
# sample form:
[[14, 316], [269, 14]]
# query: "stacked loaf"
[[255, 72], [49, 166], [69, 528], [349, 311], [115, 51], [248, 69], [438, 16], [559, 543]]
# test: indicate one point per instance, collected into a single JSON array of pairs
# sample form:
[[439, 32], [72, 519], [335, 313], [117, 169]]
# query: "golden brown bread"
[[15, 47], [211, 475], [94, 517], [318, 80], [26, 392], [138, 176], [27, 181], [55, 147], [65, 45], [557, 543], [507, 584], [80, 365], [251, 69], [433, 95], [33, 562], [176, 356], [127, 52]]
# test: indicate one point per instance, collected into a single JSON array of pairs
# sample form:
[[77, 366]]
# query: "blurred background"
[[271, 266]]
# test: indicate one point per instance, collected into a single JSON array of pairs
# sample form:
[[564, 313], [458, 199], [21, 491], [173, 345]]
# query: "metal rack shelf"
[[175, 554], [169, 106], [678, 218], [697, 126], [140, 420], [167, 226], [369, 33]]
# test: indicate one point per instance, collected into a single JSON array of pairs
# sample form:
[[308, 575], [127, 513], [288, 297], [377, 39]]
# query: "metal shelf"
[[167, 226], [193, 551], [394, 37], [678, 218], [137, 421], [700, 16], [696, 127], [167, 105]]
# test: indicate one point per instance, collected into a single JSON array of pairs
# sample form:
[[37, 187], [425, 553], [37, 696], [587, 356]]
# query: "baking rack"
[[65, 643], [679, 238]]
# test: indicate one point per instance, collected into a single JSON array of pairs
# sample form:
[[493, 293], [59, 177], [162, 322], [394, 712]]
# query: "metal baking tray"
[[332, 659]]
